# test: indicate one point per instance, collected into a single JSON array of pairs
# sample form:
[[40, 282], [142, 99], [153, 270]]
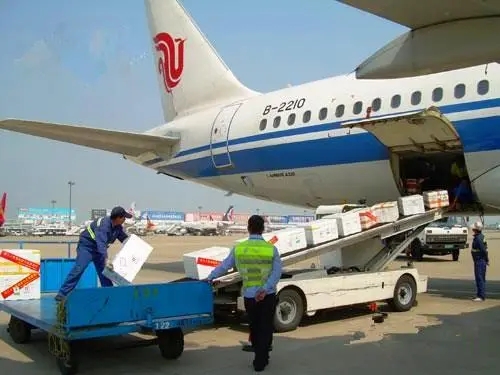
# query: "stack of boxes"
[[19, 274]]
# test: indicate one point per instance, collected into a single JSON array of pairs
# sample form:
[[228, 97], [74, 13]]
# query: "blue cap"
[[120, 212]]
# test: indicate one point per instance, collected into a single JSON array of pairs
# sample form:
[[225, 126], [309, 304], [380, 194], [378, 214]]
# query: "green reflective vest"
[[254, 261], [460, 172]]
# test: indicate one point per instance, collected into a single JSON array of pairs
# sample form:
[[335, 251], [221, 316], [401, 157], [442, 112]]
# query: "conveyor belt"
[[383, 231]]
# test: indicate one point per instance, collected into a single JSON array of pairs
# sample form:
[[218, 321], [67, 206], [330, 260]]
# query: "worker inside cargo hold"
[[438, 172]]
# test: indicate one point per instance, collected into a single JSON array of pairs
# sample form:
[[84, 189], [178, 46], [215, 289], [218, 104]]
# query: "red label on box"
[[208, 262]]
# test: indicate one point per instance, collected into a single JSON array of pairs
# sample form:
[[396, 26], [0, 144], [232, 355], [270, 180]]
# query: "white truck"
[[358, 275], [443, 237]]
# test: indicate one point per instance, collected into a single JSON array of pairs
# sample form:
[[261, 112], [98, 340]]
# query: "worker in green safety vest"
[[259, 265]]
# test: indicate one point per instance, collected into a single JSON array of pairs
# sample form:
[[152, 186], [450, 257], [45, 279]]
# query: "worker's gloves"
[[109, 265]]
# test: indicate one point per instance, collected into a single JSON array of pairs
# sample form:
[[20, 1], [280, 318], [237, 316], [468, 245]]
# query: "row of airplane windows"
[[482, 88]]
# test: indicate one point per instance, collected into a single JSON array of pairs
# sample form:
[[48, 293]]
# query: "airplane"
[[327, 142], [3, 208]]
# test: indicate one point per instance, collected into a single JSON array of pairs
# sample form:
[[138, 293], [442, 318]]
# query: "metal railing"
[[21, 243]]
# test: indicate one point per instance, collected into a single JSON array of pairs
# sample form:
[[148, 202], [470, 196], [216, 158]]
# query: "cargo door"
[[427, 131]]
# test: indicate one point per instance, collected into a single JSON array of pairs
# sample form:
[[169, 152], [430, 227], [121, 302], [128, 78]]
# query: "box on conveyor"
[[386, 212], [128, 261], [19, 274], [286, 240], [198, 264], [436, 199], [320, 231], [411, 205], [367, 217], [347, 223]]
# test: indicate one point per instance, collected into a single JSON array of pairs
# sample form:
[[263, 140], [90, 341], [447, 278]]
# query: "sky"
[[90, 63]]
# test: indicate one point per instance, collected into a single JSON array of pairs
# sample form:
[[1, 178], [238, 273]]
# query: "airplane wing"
[[416, 14], [126, 143], [444, 35]]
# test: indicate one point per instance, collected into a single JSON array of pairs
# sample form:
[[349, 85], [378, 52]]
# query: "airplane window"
[[291, 119], [376, 104], [322, 113], [396, 101], [416, 97], [483, 87], [276, 121], [437, 94], [306, 117], [459, 91], [357, 108], [339, 112], [263, 124]]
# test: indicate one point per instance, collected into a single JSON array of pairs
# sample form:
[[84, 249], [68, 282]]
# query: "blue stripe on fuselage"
[[481, 134]]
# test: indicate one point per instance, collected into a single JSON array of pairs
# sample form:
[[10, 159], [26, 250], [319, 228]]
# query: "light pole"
[[71, 184], [53, 202], [199, 213]]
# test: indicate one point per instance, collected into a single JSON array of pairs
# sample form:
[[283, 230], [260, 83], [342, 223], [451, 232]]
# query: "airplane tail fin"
[[228, 216], [3, 206], [190, 72], [131, 210]]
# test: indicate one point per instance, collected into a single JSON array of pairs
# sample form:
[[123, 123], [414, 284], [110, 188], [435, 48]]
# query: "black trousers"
[[261, 317]]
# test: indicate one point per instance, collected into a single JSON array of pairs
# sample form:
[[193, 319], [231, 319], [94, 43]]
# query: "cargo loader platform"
[[158, 309], [405, 229], [354, 272]]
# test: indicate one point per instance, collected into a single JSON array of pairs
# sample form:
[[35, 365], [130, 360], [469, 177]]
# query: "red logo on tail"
[[171, 62]]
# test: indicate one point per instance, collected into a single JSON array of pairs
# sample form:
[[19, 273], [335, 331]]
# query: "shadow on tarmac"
[[462, 344]]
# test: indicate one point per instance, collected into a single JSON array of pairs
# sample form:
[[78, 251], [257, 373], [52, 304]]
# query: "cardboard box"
[[286, 240], [129, 261], [411, 205], [387, 212], [436, 199], [19, 274], [367, 218], [198, 264], [347, 223], [320, 231]]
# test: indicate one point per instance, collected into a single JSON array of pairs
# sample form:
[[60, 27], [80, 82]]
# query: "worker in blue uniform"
[[93, 247], [479, 250], [259, 265]]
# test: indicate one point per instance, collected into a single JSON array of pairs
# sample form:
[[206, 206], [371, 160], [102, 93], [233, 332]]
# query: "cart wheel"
[[405, 293], [19, 330], [67, 366], [289, 310], [171, 343]]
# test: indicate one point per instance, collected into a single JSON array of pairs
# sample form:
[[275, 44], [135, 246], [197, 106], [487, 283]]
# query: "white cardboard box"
[[436, 198], [386, 212], [367, 218], [129, 260], [286, 240], [347, 223], [198, 264], [320, 231], [19, 274], [411, 205]]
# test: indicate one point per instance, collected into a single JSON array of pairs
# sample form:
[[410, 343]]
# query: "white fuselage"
[[316, 162]]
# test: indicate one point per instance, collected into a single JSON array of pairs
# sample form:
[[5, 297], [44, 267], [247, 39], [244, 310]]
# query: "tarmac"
[[447, 333]]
